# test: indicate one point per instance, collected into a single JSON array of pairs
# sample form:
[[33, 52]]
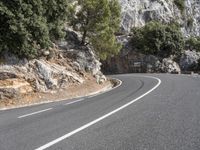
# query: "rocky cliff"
[[136, 13], [63, 65]]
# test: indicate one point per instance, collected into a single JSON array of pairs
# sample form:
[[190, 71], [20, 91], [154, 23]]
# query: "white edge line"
[[92, 96], [99, 119], [37, 112], [96, 94], [82, 99], [47, 102]]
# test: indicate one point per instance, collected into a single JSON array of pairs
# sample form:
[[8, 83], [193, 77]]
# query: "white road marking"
[[120, 83], [37, 112], [47, 102], [82, 99], [92, 96], [99, 119]]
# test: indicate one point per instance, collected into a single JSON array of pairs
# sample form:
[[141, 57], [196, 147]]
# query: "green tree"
[[30, 25], [106, 44], [193, 43], [158, 39], [56, 15], [98, 22]]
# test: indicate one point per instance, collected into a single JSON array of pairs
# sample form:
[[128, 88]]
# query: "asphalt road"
[[144, 113]]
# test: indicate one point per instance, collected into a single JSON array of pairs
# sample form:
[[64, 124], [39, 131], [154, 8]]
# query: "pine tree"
[[98, 21]]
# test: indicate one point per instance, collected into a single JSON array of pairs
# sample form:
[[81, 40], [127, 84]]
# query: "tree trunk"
[[85, 31], [84, 37]]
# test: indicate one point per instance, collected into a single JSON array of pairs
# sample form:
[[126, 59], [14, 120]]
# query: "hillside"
[[137, 14], [67, 70], [51, 50]]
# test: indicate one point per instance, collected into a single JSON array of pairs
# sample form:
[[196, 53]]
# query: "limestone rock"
[[170, 66], [7, 75], [136, 13], [100, 78], [46, 53], [42, 76], [67, 66], [83, 56], [189, 59], [12, 88]]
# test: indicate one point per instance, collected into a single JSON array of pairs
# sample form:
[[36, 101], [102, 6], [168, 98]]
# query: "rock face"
[[83, 57], [189, 60], [134, 62], [63, 65], [153, 64], [40, 74], [11, 88], [136, 13]]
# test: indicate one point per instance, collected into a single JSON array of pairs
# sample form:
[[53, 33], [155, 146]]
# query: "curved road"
[[147, 112]]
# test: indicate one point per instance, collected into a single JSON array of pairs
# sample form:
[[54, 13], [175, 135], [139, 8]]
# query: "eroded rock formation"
[[136, 13], [59, 67]]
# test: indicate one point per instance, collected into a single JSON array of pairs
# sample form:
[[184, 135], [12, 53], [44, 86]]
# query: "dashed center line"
[[74, 102], [37, 112]]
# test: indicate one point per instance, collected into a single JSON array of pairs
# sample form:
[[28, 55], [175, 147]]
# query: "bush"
[[180, 4], [193, 43], [28, 26], [158, 39], [190, 22]]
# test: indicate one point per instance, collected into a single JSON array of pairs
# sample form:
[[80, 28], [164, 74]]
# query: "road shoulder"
[[89, 88]]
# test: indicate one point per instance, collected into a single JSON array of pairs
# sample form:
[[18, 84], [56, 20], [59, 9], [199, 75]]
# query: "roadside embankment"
[[89, 88]]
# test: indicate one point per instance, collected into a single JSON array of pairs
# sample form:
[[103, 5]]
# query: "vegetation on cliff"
[[193, 43], [28, 26], [98, 22], [158, 39]]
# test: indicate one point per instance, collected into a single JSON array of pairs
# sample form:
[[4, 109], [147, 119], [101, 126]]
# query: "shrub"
[[28, 26], [158, 39], [190, 22], [193, 43]]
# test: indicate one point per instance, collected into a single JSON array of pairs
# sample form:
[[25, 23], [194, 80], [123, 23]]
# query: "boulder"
[[100, 78], [189, 60], [170, 66], [53, 74]]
